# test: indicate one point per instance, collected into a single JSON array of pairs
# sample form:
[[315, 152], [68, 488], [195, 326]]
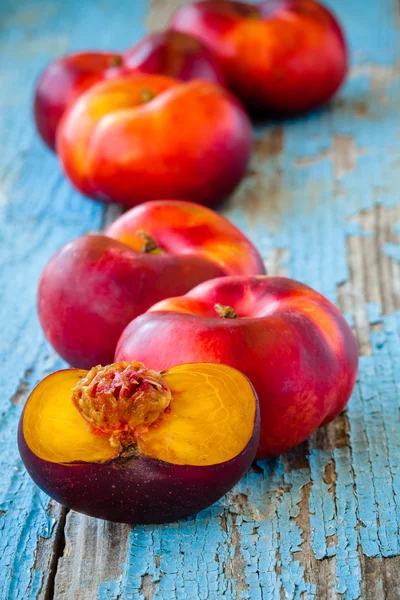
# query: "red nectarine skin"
[[146, 137], [63, 81], [167, 472], [181, 227], [165, 53], [174, 54], [280, 56], [94, 286], [291, 342]]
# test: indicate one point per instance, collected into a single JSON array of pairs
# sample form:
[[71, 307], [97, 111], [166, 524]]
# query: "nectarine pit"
[[121, 400]]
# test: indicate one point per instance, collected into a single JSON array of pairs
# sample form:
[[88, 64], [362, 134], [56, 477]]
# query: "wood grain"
[[321, 201]]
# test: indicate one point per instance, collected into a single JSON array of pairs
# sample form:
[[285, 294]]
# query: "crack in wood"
[[111, 212], [19, 397], [148, 587], [241, 506], [260, 194], [234, 566], [101, 546], [374, 277], [58, 551]]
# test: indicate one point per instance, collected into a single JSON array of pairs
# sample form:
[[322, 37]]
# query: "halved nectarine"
[[130, 444]]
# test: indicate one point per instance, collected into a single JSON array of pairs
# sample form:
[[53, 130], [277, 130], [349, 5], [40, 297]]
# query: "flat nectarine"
[[95, 285], [128, 444], [278, 56], [146, 137], [165, 53], [291, 342]]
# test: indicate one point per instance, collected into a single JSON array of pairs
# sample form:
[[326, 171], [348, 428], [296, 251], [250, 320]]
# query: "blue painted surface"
[[39, 212], [360, 511]]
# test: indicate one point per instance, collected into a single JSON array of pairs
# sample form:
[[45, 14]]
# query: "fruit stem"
[[150, 245], [115, 61], [226, 312], [147, 95]]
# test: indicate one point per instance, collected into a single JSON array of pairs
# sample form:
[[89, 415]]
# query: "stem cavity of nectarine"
[[225, 312], [115, 61], [147, 95], [150, 245], [122, 400]]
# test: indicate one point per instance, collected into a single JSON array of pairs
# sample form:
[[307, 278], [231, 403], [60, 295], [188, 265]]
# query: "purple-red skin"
[[62, 82], [140, 490], [174, 54], [94, 286]]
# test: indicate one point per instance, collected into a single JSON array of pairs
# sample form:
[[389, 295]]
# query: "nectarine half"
[[129, 444]]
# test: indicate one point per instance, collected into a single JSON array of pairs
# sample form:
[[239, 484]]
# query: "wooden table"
[[321, 200]]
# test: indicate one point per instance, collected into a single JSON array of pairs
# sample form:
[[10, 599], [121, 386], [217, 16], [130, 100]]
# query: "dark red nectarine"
[[175, 54], [128, 444], [95, 285]]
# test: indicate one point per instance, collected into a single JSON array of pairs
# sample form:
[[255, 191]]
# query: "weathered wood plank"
[[39, 212], [321, 201]]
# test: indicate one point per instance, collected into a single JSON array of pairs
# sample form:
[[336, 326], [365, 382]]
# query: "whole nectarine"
[[146, 137], [278, 56], [166, 53], [291, 342], [95, 285]]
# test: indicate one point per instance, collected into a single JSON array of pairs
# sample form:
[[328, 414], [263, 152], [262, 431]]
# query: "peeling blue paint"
[[39, 212], [354, 228], [109, 590], [374, 313], [322, 508], [348, 569], [392, 250]]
